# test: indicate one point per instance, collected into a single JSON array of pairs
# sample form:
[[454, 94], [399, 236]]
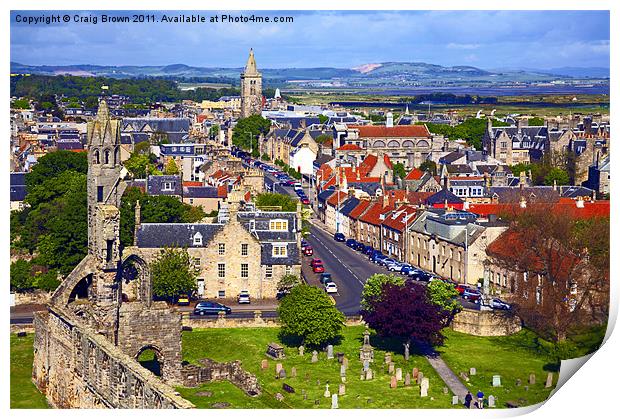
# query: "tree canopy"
[[285, 202], [374, 285], [399, 170], [444, 296], [287, 282], [53, 164], [172, 274], [307, 313], [246, 132], [429, 166]]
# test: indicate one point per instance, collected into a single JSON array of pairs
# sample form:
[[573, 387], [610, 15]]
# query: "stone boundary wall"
[[486, 323], [34, 297], [194, 375], [224, 322]]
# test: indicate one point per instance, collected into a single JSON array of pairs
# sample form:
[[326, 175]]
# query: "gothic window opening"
[[96, 157], [109, 250], [99, 193], [106, 157], [150, 359]]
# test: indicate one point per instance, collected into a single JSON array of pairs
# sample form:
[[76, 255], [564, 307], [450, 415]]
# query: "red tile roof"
[[400, 218], [191, 183], [418, 198], [222, 191], [350, 147], [566, 207], [398, 131], [373, 215], [359, 209], [333, 200], [415, 174]]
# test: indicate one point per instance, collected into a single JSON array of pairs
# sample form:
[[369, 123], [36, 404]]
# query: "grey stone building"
[[251, 89]]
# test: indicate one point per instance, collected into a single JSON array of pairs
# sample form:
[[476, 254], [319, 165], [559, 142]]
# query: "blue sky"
[[485, 39]]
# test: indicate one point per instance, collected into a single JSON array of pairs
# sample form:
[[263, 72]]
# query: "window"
[[99, 193], [221, 270], [106, 157], [191, 201], [288, 270], [168, 186], [109, 248], [244, 249], [269, 271], [221, 249], [198, 239], [244, 270], [279, 250], [278, 225], [221, 294], [197, 264]]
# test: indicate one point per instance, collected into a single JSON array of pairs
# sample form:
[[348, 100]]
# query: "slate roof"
[[155, 184], [200, 192], [349, 205], [168, 125], [69, 145], [508, 194], [451, 157], [575, 191], [442, 197], [458, 168], [18, 186], [157, 235], [369, 187], [297, 122], [323, 196]]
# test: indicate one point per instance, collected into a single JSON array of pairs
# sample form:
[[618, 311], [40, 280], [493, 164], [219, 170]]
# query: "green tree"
[[285, 202], [323, 119], [308, 314], [429, 166], [557, 175], [520, 167], [142, 147], [287, 282], [21, 278], [536, 122], [173, 274], [141, 165], [324, 139], [52, 164], [47, 281], [20, 104], [246, 132], [171, 168], [374, 285], [444, 295], [399, 170]]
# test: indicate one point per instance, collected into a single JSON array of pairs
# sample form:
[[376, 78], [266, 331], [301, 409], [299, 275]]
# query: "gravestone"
[[288, 388], [464, 376], [343, 371], [315, 357], [393, 382], [549, 381], [282, 373], [420, 377], [455, 400], [318, 382], [301, 350], [340, 356], [343, 379], [406, 345], [326, 393], [275, 351], [279, 397], [366, 364], [330, 351], [366, 351], [526, 388], [293, 372], [278, 368], [388, 358], [424, 387], [472, 371], [391, 368], [445, 390], [497, 381], [491, 401], [407, 379], [518, 382], [369, 374], [414, 374], [345, 362], [317, 402], [532, 379], [334, 401], [399, 374], [362, 376], [264, 364], [305, 397], [341, 389]]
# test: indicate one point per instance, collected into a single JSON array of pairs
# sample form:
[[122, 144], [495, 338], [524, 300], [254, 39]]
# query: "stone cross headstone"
[[532, 379], [334, 401], [315, 357], [407, 379], [497, 381], [424, 387], [455, 400], [326, 393], [414, 374], [282, 373], [391, 368], [343, 371], [330, 351], [369, 374], [293, 372], [393, 382], [549, 381], [420, 377], [366, 365], [472, 371], [301, 350], [341, 389], [278, 368], [406, 345], [399, 374], [491, 401], [264, 364]]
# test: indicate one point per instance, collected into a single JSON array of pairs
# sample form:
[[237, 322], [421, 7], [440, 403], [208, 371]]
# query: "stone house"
[[345, 210], [354, 215], [369, 223], [207, 197], [333, 216], [393, 231]]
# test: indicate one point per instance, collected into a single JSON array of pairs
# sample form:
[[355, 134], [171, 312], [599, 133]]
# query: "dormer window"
[[168, 186], [198, 239], [278, 225]]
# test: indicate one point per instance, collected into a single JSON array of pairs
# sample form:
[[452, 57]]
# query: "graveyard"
[[295, 381]]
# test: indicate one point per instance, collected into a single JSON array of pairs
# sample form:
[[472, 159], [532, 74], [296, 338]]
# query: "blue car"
[[339, 237], [351, 243]]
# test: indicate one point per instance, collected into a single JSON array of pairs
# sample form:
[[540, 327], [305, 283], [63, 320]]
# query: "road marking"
[[335, 257]]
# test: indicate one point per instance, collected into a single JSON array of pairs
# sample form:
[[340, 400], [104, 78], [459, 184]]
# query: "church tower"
[[251, 89]]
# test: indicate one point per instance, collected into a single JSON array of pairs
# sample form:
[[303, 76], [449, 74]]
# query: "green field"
[[24, 394]]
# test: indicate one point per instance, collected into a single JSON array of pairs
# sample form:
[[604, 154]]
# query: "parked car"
[[339, 237], [316, 262], [498, 304], [325, 278], [471, 294], [318, 268], [420, 276], [297, 185], [308, 251], [369, 250], [359, 247], [210, 307], [282, 293], [331, 288], [183, 301], [385, 261], [351, 243], [305, 201], [461, 288], [303, 244], [243, 297], [404, 267], [394, 266], [377, 257]]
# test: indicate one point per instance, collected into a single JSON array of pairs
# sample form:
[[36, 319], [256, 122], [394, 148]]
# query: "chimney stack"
[[580, 203], [389, 122], [138, 218], [523, 203]]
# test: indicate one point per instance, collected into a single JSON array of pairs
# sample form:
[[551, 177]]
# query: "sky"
[[343, 39]]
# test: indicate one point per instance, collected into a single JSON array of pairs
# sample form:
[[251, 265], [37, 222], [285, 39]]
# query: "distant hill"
[[581, 72]]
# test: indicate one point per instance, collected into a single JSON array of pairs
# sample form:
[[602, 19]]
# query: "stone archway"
[[151, 358], [135, 280]]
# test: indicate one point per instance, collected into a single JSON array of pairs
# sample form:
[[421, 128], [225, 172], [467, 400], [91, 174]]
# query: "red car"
[[308, 250], [316, 262], [461, 288], [318, 268], [305, 201]]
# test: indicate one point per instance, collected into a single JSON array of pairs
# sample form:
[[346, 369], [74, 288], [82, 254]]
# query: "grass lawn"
[[24, 394], [511, 357], [249, 345]]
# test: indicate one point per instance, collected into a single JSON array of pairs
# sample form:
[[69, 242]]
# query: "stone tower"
[[251, 89]]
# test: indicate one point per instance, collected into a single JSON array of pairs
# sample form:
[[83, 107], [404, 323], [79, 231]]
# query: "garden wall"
[[486, 323]]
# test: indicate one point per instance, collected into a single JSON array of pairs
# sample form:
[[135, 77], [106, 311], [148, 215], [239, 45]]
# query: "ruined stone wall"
[[77, 368], [224, 322], [486, 323], [209, 370]]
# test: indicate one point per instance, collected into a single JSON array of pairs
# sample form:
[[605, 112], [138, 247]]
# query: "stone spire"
[[250, 66]]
